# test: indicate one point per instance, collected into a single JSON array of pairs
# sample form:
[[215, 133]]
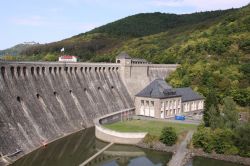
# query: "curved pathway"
[[181, 151]]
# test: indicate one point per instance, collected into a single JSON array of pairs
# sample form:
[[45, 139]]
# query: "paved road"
[[181, 151]]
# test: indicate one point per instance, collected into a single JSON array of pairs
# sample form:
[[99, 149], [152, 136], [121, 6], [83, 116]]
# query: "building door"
[[147, 111], [142, 110], [162, 114], [152, 112]]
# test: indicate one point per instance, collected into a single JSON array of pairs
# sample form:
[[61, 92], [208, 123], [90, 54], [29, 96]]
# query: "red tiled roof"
[[68, 57]]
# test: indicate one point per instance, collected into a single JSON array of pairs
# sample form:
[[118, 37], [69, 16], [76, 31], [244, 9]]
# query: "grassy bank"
[[152, 127]]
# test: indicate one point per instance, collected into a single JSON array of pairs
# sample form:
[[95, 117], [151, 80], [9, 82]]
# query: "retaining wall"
[[108, 135]]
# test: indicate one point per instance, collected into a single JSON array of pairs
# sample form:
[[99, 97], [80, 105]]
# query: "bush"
[[223, 142], [203, 138], [50, 57], [241, 139], [150, 139], [168, 136], [219, 140]]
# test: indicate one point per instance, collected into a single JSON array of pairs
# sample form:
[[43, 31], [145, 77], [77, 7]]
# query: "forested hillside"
[[17, 49], [213, 48], [105, 39], [152, 23], [213, 55]]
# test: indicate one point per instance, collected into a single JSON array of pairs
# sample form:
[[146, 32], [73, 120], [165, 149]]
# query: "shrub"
[[219, 140], [203, 138], [168, 136], [150, 139], [50, 57], [241, 139], [223, 142]]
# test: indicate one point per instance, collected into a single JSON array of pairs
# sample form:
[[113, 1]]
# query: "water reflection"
[[123, 155], [201, 161], [76, 148], [71, 150]]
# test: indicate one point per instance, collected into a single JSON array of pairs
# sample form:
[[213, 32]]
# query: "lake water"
[[201, 161], [76, 148]]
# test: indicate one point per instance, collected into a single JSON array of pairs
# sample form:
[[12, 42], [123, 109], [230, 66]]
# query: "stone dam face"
[[41, 102]]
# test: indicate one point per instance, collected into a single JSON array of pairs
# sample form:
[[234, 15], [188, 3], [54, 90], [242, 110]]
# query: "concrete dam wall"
[[138, 76], [41, 101]]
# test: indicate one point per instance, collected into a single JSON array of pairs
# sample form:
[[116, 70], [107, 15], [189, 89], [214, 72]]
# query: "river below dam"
[[74, 149]]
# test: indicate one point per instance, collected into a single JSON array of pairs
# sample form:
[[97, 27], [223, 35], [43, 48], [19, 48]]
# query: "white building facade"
[[160, 100], [67, 58]]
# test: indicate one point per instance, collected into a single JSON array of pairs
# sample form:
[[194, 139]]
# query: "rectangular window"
[[152, 103]]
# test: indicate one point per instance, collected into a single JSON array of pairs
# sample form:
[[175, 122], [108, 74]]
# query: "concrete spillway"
[[40, 102]]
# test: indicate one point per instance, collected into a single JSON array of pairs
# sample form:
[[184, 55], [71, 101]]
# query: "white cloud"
[[201, 5]]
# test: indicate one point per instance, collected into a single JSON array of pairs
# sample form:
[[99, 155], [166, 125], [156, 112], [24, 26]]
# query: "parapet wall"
[[36, 68], [108, 135]]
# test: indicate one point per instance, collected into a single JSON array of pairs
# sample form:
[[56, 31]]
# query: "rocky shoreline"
[[231, 158], [159, 146]]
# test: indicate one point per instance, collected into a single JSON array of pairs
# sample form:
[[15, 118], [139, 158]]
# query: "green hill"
[[17, 49], [213, 48], [152, 23], [214, 55], [103, 40]]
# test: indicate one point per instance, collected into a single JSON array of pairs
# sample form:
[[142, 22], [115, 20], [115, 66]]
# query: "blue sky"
[[46, 21]]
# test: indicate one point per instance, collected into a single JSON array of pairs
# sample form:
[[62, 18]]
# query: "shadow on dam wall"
[[40, 102]]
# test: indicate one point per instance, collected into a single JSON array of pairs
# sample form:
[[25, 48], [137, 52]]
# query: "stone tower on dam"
[[43, 101]]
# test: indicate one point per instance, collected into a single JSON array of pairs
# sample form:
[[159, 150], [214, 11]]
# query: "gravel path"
[[181, 151]]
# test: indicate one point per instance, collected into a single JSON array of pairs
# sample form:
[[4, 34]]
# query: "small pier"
[[181, 152], [97, 154]]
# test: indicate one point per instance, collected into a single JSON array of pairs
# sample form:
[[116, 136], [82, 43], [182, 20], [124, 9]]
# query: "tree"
[[223, 141], [242, 141], [215, 119], [230, 114], [50, 57], [168, 136], [241, 96], [203, 138], [211, 99]]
